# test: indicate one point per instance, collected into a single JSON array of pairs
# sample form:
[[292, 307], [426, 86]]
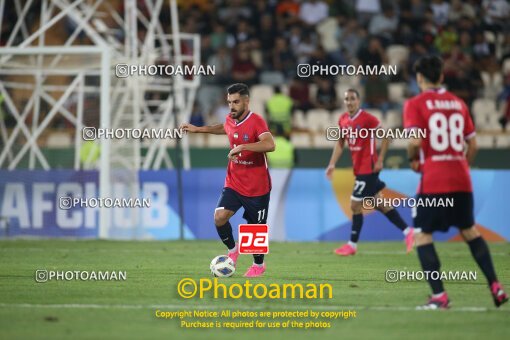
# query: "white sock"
[[406, 231], [233, 250], [353, 244], [258, 265], [437, 295]]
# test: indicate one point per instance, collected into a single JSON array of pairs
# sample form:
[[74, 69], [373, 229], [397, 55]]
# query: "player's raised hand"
[[236, 151], [187, 127], [329, 171]]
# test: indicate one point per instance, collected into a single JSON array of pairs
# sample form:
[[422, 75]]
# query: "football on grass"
[[222, 266]]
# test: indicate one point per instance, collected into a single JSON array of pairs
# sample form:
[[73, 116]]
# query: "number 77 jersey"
[[447, 124]]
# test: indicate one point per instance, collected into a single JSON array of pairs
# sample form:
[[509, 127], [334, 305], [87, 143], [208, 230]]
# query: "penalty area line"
[[265, 308]]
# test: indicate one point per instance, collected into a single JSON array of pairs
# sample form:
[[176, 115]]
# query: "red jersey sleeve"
[[412, 118], [469, 127], [260, 126], [373, 122]]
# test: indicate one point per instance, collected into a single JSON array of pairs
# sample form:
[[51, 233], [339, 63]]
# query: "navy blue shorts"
[[367, 186], [255, 208], [442, 216]]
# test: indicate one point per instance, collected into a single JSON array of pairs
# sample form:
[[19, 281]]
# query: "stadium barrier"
[[304, 206]]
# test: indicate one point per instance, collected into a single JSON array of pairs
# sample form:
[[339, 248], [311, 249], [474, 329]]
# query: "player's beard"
[[237, 114]]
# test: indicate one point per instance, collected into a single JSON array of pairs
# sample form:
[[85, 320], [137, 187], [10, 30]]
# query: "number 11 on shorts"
[[253, 239]]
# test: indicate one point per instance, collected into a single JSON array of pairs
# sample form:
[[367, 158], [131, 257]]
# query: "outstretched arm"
[[335, 156], [382, 153], [471, 151], [216, 129], [413, 153]]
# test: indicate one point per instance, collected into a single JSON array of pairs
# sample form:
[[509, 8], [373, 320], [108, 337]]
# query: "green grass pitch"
[[126, 309]]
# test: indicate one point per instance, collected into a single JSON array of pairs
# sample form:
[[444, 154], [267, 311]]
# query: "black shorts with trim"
[[452, 209], [367, 186], [255, 208]]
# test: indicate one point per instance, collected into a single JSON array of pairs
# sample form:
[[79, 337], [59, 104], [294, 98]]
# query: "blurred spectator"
[[366, 9], [417, 51], [299, 91], [242, 34], [223, 63], [373, 53], [376, 93], [460, 9], [219, 112], [481, 47], [465, 43], [243, 68], [384, 25], [206, 50], [505, 49], [283, 60], [294, 37], [325, 97], [441, 11], [320, 57], [234, 11], [313, 12], [219, 36], [288, 8], [305, 48], [197, 117], [412, 12], [284, 156], [504, 97], [446, 39], [279, 110], [460, 76], [266, 34], [496, 15], [350, 38]]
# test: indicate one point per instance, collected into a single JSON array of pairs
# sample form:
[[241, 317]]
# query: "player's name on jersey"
[[443, 104], [336, 133]]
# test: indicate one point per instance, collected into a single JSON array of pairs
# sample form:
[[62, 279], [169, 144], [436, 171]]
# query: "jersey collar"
[[439, 90], [244, 120], [356, 115]]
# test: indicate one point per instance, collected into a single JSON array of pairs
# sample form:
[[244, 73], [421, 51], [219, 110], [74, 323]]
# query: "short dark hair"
[[431, 67], [356, 92], [240, 88]]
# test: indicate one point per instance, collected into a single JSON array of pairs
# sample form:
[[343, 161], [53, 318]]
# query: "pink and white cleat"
[[409, 240], [233, 255], [255, 270], [345, 250], [434, 303], [498, 294]]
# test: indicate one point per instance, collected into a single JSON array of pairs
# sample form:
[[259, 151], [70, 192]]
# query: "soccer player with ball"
[[248, 183], [444, 168]]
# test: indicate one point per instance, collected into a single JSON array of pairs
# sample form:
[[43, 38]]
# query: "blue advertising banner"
[[304, 206]]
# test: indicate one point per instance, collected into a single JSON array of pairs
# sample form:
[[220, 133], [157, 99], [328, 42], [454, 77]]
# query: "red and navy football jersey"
[[447, 124], [363, 150], [248, 174]]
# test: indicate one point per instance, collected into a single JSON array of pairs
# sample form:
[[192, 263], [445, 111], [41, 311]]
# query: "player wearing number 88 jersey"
[[447, 123], [445, 174]]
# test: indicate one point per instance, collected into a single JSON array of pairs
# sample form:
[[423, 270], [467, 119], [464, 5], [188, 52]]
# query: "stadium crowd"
[[262, 42]]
